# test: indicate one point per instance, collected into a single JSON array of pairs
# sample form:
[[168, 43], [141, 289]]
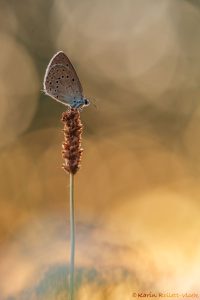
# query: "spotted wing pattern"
[[61, 85], [61, 81]]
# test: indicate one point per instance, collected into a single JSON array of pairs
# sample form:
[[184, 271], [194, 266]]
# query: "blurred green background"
[[137, 193]]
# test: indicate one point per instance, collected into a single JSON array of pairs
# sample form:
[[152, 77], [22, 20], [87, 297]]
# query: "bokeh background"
[[137, 193]]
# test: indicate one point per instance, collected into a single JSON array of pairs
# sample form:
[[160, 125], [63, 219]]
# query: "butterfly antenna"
[[93, 103]]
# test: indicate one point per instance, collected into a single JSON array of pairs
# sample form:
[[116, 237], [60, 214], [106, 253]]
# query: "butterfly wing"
[[61, 81], [60, 58], [61, 84]]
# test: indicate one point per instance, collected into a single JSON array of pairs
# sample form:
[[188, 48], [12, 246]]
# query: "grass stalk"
[[72, 238], [72, 153]]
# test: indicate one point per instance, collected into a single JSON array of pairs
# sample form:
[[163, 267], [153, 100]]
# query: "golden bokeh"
[[137, 192]]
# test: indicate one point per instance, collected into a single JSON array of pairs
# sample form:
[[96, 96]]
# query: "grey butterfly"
[[62, 83]]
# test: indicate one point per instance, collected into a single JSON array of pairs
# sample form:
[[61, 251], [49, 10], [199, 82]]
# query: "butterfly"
[[62, 83]]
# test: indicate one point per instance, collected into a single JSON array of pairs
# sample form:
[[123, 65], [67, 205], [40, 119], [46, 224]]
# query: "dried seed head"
[[71, 147]]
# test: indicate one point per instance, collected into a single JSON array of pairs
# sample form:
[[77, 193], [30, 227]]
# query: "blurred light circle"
[[19, 89], [131, 45]]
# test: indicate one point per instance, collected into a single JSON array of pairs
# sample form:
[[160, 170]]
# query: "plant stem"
[[72, 236]]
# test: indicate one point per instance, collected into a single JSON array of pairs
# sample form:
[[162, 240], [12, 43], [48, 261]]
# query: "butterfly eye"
[[86, 102]]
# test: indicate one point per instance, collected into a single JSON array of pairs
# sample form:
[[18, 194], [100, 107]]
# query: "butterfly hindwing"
[[60, 83]]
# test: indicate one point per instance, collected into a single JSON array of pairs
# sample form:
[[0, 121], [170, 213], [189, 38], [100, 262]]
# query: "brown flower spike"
[[71, 147]]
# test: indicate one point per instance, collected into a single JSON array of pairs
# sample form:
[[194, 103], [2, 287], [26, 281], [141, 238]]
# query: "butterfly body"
[[62, 83], [79, 103]]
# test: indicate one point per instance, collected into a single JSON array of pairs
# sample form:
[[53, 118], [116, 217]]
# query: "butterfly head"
[[86, 102]]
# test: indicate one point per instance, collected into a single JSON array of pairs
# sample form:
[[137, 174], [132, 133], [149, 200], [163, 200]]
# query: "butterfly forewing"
[[61, 81], [61, 59]]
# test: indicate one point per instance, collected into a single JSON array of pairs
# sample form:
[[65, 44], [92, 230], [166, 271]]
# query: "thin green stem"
[[72, 236]]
